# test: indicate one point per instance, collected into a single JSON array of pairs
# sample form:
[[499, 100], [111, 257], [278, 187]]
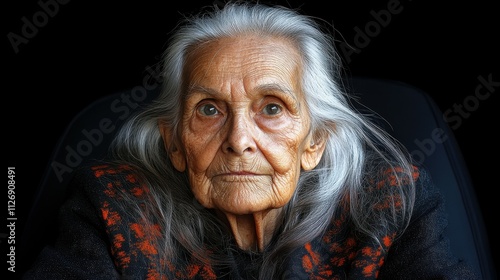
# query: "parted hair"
[[356, 149]]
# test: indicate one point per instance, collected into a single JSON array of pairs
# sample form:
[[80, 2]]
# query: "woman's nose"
[[240, 136]]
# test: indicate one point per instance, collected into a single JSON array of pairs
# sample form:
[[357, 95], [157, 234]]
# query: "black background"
[[89, 49]]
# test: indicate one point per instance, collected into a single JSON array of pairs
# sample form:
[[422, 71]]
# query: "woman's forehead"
[[244, 48], [252, 60]]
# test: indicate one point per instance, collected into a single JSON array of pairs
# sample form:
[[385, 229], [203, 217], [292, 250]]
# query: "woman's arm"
[[81, 249], [423, 251]]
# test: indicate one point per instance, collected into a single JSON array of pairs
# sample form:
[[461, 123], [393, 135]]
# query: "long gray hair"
[[356, 149]]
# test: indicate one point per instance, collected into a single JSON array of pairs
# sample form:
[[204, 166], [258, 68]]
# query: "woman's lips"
[[236, 173], [238, 176], [240, 173]]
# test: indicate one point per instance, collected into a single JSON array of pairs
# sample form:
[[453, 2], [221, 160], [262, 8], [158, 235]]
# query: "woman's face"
[[245, 124]]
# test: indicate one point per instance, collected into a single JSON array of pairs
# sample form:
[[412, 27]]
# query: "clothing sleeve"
[[81, 250], [423, 251]]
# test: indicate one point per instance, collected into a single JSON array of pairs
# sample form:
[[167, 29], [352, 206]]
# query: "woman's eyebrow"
[[271, 87], [275, 87], [196, 89]]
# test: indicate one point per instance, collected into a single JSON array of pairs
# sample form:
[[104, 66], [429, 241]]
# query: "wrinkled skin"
[[245, 132]]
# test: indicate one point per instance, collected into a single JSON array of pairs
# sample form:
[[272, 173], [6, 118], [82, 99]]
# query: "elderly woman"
[[251, 164]]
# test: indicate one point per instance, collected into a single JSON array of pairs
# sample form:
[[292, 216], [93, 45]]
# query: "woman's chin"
[[241, 207], [246, 206]]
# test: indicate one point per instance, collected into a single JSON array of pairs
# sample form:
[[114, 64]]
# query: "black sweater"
[[94, 241]]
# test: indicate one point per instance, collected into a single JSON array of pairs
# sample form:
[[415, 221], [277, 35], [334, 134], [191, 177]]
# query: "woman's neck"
[[252, 232]]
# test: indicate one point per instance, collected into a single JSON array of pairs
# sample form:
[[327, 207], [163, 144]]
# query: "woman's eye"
[[208, 110], [272, 109]]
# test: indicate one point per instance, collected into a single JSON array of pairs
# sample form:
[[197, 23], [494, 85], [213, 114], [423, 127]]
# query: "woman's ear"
[[175, 153], [313, 152]]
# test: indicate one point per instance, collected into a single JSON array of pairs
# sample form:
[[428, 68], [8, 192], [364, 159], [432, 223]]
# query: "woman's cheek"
[[272, 124], [281, 151], [199, 155], [200, 140], [283, 189], [202, 127]]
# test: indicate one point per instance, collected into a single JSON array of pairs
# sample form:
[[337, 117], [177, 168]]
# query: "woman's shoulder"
[[107, 178], [415, 188], [109, 171], [398, 177]]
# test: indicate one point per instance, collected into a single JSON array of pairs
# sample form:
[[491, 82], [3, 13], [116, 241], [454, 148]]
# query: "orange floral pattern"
[[338, 253]]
